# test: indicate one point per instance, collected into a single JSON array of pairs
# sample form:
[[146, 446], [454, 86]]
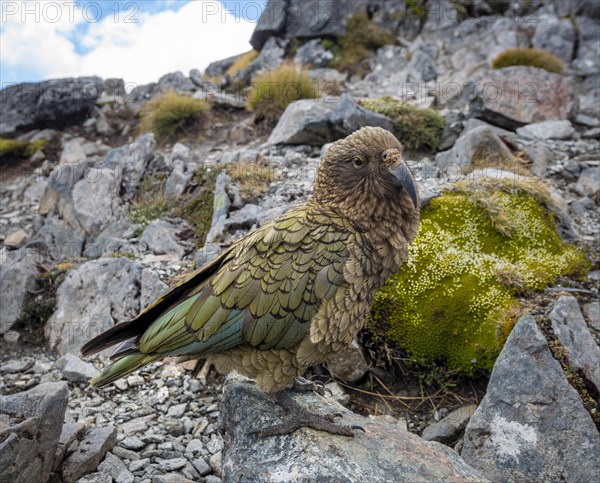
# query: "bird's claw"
[[304, 385]]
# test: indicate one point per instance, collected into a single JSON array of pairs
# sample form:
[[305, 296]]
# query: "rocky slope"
[[102, 218]]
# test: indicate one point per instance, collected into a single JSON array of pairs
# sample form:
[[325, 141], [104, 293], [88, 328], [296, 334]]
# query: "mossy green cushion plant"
[[273, 91], [454, 299], [170, 115], [529, 57], [417, 129]]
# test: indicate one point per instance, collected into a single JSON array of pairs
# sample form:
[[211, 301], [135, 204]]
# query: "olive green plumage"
[[297, 289]]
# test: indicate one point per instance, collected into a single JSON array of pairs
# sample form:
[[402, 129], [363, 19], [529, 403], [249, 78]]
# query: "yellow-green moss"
[[529, 57], [361, 39], [171, 115], [20, 149], [453, 300], [273, 91], [415, 127]]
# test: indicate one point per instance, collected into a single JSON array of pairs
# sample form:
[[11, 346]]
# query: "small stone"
[[16, 239], [202, 466], [112, 466], [125, 453], [12, 337], [171, 464], [16, 366], [138, 465], [121, 384], [548, 130], [338, 393], [172, 478], [194, 446], [589, 182], [174, 427], [177, 411], [215, 445], [133, 443], [592, 313], [137, 425], [212, 479], [95, 478], [215, 462], [135, 380], [89, 453], [448, 429]]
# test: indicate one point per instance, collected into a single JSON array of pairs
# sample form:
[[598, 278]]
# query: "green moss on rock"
[[415, 127], [454, 299]]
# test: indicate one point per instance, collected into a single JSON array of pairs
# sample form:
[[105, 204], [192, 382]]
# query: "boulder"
[[480, 143], [555, 35], [219, 68], [93, 297], [161, 239], [421, 67], [73, 151], [548, 130], [30, 428], [75, 370], [89, 453], [531, 425], [16, 281], [588, 183], [179, 179], [318, 122], [384, 452], [571, 330], [515, 96], [51, 103], [63, 240], [587, 60], [175, 81]]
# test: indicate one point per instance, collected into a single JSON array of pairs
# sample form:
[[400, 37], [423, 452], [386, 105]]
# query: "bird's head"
[[365, 178]]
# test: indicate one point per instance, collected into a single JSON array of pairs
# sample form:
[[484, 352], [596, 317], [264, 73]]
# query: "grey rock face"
[[89, 453], [478, 143], [421, 67], [531, 425], [75, 370], [555, 35], [317, 122], [270, 57], [385, 452], [16, 279], [314, 54], [548, 130], [47, 104], [152, 287], [30, 428], [572, 332], [160, 237], [176, 82], [73, 151], [93, 298], [540, 96]]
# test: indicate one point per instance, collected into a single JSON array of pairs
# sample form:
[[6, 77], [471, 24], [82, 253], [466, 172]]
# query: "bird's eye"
[[358, 161]]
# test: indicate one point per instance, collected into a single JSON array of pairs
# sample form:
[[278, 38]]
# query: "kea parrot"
[[294, 291]]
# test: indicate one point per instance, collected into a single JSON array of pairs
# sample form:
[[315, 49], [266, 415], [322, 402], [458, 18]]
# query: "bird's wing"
[[264, 294]]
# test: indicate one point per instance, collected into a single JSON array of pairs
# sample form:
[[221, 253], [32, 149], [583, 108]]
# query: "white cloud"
[[192, 37]]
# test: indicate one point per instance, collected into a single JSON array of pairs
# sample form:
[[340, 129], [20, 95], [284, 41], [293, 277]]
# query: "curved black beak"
[[403, 178]]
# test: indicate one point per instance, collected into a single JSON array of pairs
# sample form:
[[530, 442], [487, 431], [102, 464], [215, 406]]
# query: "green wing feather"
[[264, 293]]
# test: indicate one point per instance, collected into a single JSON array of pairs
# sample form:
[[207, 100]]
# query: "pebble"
[[132, 442]]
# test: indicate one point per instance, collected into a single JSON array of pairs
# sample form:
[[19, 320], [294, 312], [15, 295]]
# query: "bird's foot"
[[304, 385], [301, 418]]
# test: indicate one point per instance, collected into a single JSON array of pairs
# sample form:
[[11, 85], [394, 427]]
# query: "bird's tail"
[[125, 365]]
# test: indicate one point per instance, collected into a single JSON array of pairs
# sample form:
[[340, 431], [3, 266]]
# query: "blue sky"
[[136, 40]]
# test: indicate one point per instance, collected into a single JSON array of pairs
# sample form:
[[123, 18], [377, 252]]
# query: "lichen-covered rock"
[[384, 452], [531, 425], [454, 298], [30, 428]]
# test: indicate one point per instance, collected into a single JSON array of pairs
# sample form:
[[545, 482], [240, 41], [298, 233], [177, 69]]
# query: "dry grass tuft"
[[529, 57]]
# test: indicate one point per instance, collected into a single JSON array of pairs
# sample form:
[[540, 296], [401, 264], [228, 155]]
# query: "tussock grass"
[[417, 129], [19, 149], [171, 115], [273, 91], [242, 63], [529, 57]]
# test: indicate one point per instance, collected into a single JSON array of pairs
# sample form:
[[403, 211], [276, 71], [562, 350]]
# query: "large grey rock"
[[421, 67], [51, 103], [161, 238], [73, 151], [175, 81], [480, 143], [270, 57], [548, 130], [89, 453], [515, 96], [318, 122], [179, 179], [30, 428], [152, 287], [303, 19], [573, 333], [587, 61], [219, 68], [93, 298], [16, 280], [588, 183], [58, 196], [131, 161], [75, 370], [384, 452], [531, 425], [70, 432], [555, 35]]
